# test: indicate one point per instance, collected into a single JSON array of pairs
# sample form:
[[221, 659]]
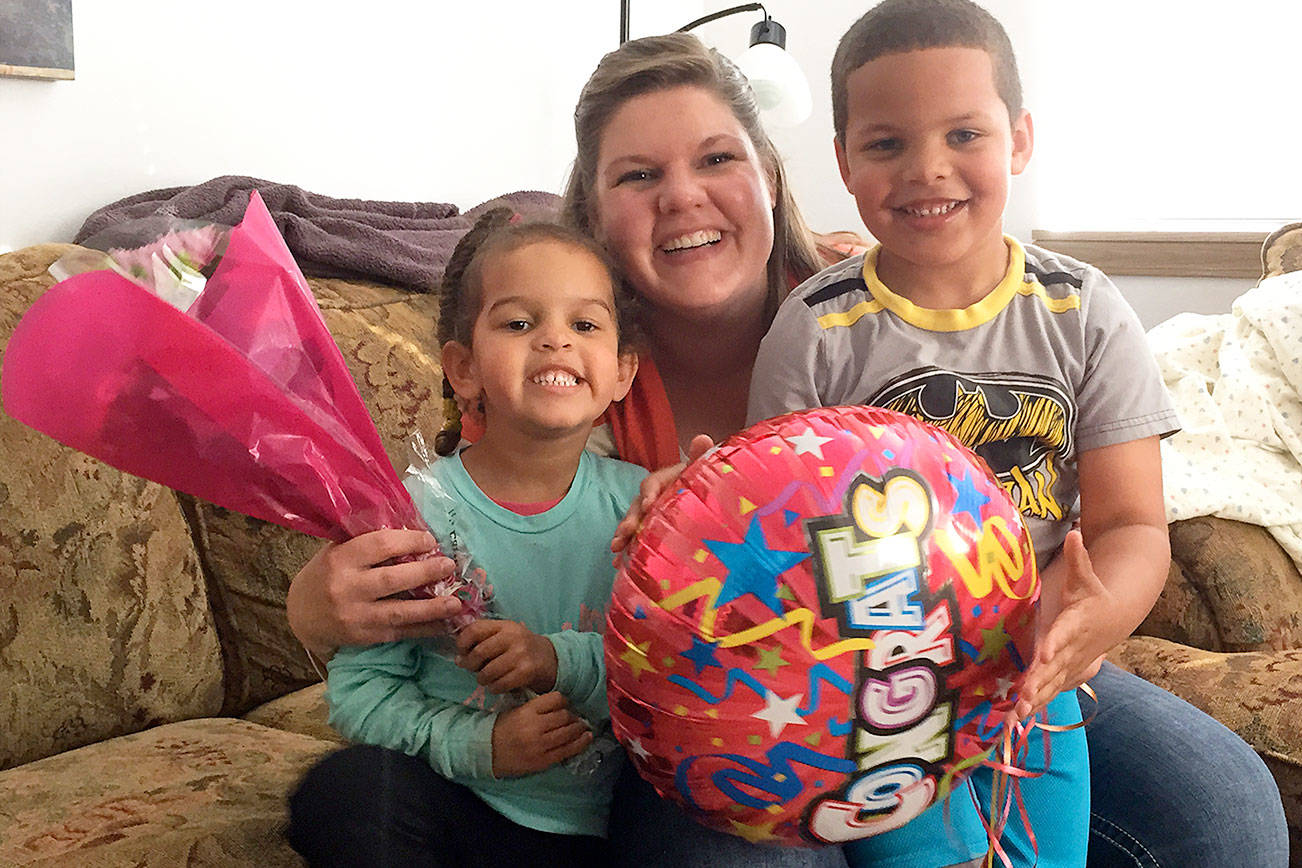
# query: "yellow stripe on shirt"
[[851, 316], [1055, 305]]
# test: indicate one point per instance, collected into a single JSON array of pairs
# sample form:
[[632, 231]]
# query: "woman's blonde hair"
[[657, 63]]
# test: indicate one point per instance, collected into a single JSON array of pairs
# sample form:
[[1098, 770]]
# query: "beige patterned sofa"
[[156, 710]]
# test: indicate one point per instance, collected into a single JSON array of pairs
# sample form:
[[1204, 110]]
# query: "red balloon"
[[817, 634]]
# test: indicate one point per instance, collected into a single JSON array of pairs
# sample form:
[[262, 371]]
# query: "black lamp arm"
[[714, 16]]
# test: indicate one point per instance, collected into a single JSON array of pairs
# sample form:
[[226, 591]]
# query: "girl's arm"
[[581, 673], [1096, 594], [374, 699], [505, 655]]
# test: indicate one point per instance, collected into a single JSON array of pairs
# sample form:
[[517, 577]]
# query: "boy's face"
[[927, 155]]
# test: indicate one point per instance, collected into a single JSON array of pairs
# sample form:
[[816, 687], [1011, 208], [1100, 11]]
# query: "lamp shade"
[[779, 84]]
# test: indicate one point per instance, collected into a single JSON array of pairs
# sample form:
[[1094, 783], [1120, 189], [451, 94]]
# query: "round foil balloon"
[[816, 634]]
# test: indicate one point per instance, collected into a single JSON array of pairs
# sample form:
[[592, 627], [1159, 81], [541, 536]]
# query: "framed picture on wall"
[[36, 38]]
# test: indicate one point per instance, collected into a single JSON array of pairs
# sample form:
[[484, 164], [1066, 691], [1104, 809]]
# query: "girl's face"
[[544, 352], [683, 204]]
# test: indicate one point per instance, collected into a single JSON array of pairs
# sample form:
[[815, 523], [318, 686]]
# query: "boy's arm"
[[374, 698], [1094, 596]]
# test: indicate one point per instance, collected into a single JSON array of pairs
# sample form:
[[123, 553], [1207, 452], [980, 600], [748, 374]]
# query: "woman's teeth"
[[556, 378], [696, 239], [933, 211]]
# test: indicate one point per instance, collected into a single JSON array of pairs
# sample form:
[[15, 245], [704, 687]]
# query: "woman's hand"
[[339, 597], [537, 736], [505, 655], [1072, 638], [655, 483]]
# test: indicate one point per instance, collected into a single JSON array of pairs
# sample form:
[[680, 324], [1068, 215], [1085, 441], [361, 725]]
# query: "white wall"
[[815, 26], [387, 99], [399, 99], [813, 29]]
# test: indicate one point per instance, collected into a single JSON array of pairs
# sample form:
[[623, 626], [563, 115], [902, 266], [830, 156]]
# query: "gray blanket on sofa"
[[401, 243]]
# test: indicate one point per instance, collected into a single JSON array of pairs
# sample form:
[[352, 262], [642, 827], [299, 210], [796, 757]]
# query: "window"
[[1168, 116]]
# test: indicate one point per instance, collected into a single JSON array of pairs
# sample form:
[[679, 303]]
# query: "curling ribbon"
[[1006, 792]]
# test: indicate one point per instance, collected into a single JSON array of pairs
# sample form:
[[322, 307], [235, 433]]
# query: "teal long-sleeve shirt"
[[550, 571]]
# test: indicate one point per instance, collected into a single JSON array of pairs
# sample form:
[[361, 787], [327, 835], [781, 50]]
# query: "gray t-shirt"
[[1051, 363]]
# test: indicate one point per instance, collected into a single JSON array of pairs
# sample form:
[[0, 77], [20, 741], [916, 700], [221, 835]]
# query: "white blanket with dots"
[[1236, 380]]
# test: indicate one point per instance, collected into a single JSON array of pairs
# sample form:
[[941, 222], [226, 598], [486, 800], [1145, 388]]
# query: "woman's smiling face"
[[683, 203]]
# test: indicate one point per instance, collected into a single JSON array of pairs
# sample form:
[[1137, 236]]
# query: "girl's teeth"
[[696, 239], [556, 378]]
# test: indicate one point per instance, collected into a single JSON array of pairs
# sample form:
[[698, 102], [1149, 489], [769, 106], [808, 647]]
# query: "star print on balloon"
[[753, 567], [970, 500], [819, 595], [701, 654], [807, 442]]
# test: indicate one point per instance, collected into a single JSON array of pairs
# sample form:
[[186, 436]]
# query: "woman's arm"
[[1096, 593], [342, 596]]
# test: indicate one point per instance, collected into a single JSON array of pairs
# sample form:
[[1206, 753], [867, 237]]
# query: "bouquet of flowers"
[[201, 361]]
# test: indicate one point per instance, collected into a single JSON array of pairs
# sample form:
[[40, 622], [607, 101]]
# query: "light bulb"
[[779, 84]]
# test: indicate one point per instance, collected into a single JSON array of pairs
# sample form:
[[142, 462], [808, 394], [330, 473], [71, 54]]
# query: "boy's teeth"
[[696, 239], [933, 211], [556, 378]]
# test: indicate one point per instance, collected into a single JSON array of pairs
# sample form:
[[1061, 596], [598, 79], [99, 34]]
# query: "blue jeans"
[[1172, 787], [647, 831]]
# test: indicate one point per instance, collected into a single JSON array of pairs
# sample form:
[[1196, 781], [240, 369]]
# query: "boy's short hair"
[[907, 25]]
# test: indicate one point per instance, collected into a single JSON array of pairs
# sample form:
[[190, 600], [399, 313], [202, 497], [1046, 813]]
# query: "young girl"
[[532, 327]]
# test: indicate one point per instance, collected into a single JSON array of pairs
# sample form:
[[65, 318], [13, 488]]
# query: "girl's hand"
[[1072, 636], [505, 655], [339, 596], [655, 482], [537, 736]]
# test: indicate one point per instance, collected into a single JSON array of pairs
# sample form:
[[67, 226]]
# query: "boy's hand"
[[505, 655], [655, 483], [537, 736], [1072, 639]]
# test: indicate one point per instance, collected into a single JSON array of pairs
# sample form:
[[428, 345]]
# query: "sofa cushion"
[[201, 792], [303, 711], [387, 338], [105, 627]]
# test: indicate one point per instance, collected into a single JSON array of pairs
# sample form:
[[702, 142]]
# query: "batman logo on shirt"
[[1021, 424]]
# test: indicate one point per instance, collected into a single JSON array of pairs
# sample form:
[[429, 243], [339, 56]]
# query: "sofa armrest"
[[1282, 251], [1182, 615], [1254, 693], [1231, 588]]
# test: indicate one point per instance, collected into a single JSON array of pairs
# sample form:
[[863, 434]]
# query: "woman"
[[675, 176]]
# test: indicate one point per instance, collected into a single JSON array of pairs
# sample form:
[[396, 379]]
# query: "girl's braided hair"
[[498, 231]]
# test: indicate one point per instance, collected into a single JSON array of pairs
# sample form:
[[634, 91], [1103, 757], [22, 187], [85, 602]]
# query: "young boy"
[[1032, 359]]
